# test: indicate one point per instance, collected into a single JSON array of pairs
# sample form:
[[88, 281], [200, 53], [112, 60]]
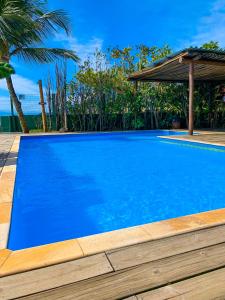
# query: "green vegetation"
[[212, 45], [101, 98], [24, 25], [6, 70]]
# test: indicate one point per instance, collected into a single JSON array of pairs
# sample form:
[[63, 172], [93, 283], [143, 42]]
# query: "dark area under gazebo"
[[189, 65]]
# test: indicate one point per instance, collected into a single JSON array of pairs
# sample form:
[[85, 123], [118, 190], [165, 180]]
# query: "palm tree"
[[24, 27], [6, 70]]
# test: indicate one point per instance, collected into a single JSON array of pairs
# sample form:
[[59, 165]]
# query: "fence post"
[[44, 118], [12, 117]]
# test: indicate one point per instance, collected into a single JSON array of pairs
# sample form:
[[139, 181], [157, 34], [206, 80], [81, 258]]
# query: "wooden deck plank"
[[50, 277], [163, 293], [157, 249], [207, 286], [135, 280]]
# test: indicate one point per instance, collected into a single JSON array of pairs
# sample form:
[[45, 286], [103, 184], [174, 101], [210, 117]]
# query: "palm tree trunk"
[[17, 105]]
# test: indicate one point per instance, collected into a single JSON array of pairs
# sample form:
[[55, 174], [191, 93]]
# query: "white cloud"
[[21, 84], [83, 50], [211, 27]]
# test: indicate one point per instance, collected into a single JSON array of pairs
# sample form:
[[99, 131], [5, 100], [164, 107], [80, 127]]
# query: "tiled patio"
[[6, 141]]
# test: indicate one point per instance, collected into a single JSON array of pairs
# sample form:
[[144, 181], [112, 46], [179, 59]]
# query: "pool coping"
[[12, 262], [182, 138]]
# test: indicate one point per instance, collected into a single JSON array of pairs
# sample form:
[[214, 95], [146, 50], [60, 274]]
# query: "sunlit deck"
[[180, 258], [206, 137]]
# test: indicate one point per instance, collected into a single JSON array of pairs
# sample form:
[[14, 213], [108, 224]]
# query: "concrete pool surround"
[[12, 262]]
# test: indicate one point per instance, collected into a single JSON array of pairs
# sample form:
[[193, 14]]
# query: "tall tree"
[[212, 45], [24, 27]]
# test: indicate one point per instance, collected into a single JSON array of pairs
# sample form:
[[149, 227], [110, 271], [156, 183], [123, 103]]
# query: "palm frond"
[[29, 21], [53, 20], [25, 23], [15, 17], [44, 55]]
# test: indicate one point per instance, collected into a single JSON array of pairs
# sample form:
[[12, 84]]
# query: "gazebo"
[[189, 65]]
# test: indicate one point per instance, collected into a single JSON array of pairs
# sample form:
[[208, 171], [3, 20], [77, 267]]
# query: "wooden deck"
[[188, 265]]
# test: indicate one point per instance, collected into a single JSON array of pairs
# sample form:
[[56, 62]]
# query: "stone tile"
[[33, 258], [2, 162], [6, 190], [7, 175], [5, 212], [173, 226], [14, 150], [114, 239], [4, 254], [6, 142], [4, 231], [10, 168], [13, 154], [11, 162], [212, 217]]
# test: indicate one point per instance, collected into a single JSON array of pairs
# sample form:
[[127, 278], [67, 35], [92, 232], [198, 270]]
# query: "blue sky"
[[100, 24]]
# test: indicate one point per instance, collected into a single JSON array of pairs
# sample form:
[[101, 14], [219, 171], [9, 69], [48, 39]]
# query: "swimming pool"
[[70, 186]]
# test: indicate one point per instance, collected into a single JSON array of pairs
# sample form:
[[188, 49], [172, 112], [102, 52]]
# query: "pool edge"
[[12, 262], [7, 181], [183, 139]]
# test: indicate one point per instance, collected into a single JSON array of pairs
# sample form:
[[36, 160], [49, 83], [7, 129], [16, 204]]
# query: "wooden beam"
[[191, 98], [42, 102], [183, 60]]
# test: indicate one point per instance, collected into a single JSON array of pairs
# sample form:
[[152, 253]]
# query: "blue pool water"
[[77, 185]]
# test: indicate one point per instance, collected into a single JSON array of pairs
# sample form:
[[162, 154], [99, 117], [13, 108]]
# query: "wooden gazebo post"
[[191, 98], [203, 64]]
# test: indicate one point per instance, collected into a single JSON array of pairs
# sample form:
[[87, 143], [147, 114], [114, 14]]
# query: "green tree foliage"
[[212, 45], [101, 97], [6, 70]]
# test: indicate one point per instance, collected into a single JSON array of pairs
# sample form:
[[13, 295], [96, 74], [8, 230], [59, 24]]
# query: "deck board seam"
[[111, 273], [81, 248], [1, 265], [169, 283], [110, 262]]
